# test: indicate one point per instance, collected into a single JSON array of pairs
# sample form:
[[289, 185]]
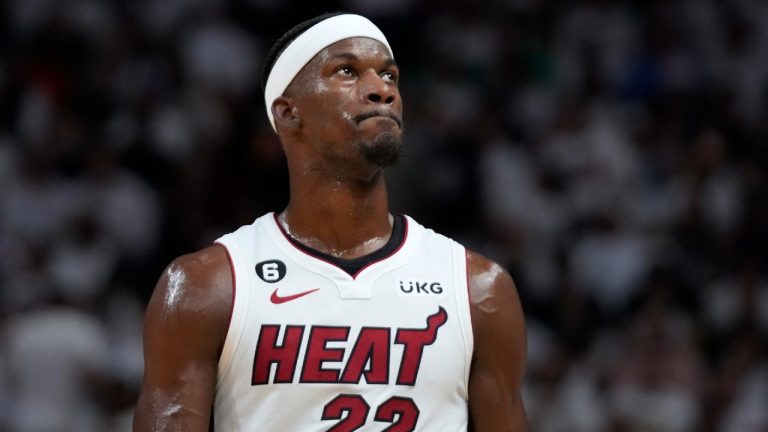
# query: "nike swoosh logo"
[[276, 299]]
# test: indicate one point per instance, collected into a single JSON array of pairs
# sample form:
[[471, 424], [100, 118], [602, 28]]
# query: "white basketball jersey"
[[312, 348]]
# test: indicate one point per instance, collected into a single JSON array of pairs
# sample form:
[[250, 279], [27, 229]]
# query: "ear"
[[286, 113]]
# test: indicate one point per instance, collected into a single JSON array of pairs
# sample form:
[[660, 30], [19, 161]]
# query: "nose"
[[377, 90]]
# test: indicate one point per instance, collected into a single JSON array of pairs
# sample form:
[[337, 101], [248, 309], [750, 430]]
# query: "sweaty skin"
[[338, 204], [480, 293], [364, 248]]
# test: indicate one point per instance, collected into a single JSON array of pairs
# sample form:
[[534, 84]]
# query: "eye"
[[345, 71], [389, 76]]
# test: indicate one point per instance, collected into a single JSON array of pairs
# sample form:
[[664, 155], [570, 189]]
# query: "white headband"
[[302, 49]]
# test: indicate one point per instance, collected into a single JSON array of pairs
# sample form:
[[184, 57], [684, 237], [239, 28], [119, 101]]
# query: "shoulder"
[[209, 266], [488, 282], [194, 290], [493, 299], [204, 273]]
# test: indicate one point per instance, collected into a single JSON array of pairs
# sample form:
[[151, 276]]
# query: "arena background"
[[611, 154]]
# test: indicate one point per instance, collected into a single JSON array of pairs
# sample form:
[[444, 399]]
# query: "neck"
[[341, 217]]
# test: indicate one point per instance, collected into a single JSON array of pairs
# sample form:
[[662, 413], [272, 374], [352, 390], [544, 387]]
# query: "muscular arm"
[[184, 328], [496, 375]]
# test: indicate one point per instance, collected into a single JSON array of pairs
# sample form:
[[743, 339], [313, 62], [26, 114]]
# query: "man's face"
[[349, 102]]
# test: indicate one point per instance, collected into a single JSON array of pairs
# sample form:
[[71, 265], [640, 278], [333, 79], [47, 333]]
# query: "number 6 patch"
[[271, 271]]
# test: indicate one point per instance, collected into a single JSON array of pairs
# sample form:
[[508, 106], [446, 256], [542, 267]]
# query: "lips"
[[379, 113]]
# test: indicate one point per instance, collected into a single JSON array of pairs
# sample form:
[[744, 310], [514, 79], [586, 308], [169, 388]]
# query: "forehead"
[[360, 47]]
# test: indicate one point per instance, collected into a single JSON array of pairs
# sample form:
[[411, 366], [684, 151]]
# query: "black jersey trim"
[[353, 266]]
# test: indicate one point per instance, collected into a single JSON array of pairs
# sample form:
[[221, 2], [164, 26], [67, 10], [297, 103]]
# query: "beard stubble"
[[385, 150]]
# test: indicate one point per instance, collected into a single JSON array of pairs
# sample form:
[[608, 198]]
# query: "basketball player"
[[334, 315]]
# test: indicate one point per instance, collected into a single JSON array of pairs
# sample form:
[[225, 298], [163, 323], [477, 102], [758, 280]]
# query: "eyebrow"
[[349, 56]]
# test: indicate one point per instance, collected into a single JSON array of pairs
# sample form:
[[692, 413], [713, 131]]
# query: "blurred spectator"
[[55, 355]]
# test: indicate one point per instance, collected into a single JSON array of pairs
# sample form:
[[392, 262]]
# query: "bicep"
[[496, 375], [493, 405], [183, 330]]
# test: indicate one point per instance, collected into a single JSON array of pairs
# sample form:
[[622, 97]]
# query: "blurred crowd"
[[611, 154]]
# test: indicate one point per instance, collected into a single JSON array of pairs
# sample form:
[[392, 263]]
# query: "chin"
[[384, 150]]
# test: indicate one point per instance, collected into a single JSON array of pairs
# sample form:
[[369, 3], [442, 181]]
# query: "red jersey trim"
[[234, 297]]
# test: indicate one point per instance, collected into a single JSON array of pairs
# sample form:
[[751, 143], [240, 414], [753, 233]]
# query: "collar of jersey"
[[318, 265]]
